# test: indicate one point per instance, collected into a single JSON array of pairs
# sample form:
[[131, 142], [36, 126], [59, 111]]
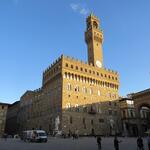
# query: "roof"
[[125, 98], [141, 92], [15, 103], [1, 103]]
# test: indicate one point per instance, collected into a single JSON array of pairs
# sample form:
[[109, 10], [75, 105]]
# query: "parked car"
[[34, 136]]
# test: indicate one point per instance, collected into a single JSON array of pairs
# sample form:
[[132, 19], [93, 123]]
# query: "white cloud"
[[79, 8], [74, 6], [84, 11]]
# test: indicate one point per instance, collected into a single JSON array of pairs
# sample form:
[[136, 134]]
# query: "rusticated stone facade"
[[75, 95]]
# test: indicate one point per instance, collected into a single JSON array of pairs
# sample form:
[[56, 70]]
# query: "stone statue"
[[112, 123], [57, 122]]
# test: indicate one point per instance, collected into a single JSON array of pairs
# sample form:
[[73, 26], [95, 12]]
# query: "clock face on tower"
[[98, 64]]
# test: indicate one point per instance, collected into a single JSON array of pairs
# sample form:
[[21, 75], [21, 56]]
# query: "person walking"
[[140, 145], [76, 134], [116, 143], [73, 135], [5, 136], [99, 142], [148, 141]]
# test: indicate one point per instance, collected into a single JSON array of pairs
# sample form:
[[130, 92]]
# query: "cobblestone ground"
[[69, 144]]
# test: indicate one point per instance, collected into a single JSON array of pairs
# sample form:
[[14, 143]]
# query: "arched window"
[[65, 75], [66, 65], [144, 112], [91, 91], [99, 93], [95, 24], [69, 87], [84, 90], [76, 88], [72, 66]]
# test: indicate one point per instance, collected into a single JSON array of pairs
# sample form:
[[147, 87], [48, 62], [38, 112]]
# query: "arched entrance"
[[92, 132], [144, 118]]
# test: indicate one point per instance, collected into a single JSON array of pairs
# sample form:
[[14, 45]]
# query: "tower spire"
[[94, 40]]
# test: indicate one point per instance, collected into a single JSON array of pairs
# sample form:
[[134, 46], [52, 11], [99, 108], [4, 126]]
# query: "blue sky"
[[33, 33]]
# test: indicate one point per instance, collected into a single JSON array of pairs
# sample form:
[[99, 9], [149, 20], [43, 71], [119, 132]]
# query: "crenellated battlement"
[[66, 62], [53, 64], [74, 60], [38, 90]]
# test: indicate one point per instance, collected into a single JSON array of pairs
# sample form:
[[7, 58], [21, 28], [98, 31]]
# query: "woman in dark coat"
[[116, 143], [140, 143]]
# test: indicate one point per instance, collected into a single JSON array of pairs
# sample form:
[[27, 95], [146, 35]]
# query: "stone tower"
[[94, 40]]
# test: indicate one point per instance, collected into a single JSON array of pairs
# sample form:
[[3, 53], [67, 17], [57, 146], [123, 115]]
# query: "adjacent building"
[[3, 113], [11, 127], [135, 113]]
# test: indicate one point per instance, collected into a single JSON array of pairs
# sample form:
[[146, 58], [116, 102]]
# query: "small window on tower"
[[66, 65], [88, 25], [72, 66], [95, 25]]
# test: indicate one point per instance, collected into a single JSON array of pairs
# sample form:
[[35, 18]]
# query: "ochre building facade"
[[75, 96]]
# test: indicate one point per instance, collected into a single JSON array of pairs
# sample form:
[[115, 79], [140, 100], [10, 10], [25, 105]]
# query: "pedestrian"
[[116, 143], [76, 134], [73, 135], [69, 134], [5, 136], [99, 142], [148, 141], [140, 145]]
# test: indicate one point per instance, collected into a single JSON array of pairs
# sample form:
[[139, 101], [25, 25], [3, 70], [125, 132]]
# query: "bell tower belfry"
[[94, 40]]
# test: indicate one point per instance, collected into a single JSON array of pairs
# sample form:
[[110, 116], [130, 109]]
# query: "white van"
[[34, 136]]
